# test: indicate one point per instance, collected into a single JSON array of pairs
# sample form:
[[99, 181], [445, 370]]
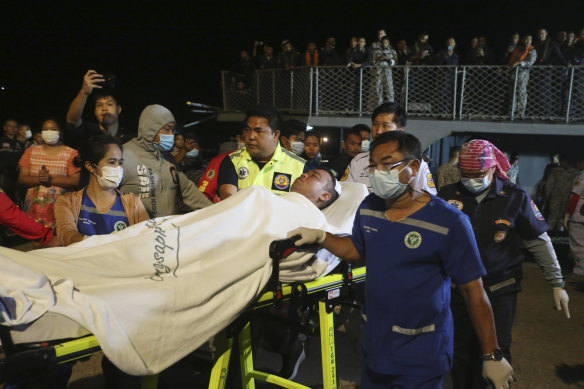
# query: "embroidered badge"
[[536, 212], [210, 174], [456, 204], [281, 181], [119, 225], [413, 239], [430, 180], [503, 221], [174, 174], [499, 236], [242, 173]]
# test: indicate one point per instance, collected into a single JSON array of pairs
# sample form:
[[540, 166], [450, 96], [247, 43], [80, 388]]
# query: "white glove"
[[308, 235], [561, 300], [499, 373]]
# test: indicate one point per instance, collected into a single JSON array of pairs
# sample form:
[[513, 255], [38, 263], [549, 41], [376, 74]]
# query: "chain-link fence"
[[553, 93]]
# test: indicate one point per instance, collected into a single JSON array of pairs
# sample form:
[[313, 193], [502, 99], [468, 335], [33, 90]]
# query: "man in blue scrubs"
[[415, 245]]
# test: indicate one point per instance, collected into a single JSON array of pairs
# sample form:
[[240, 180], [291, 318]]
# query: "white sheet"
[[156, 291]]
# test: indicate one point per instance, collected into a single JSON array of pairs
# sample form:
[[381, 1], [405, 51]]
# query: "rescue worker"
[[148, 174], [263, 161], [414, 245], [557, 192], [501, 214], [387, 117], [574, 221]]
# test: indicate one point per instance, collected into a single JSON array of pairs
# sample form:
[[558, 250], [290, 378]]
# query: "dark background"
[[171, 52]]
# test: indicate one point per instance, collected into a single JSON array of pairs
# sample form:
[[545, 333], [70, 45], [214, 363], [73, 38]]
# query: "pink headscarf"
[[480, 154]]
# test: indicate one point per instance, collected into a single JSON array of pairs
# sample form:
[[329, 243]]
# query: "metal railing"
[[543, 93]]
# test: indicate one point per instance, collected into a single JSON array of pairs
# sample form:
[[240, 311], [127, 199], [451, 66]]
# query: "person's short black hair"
[[384, 38], [330, 187], [400, 115], [93, 150], [313, 133], [352, 131], [265, 111], [102, 94], [453, 151], [292, 127], [10, 120], [407, 144]]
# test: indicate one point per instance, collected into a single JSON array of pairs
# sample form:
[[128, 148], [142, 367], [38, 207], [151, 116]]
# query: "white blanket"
[[156, 291]]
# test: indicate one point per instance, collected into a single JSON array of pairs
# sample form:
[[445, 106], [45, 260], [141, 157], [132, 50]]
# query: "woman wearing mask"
[[99, 208], [47, 171]]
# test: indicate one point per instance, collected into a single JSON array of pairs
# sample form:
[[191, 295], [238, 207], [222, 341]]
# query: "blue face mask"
[[386, 183], [166, 142], [193, 153], [476, 185]]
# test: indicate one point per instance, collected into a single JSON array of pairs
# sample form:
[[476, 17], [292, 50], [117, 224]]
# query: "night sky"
[[169, 52]]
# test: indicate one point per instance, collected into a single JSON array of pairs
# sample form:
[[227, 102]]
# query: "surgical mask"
[[50, 137], [450, 48], [28, 134], [166, 142], [192, 153], [476, 185], [365, 145], [385, 183], [297, 147], [110, 177]]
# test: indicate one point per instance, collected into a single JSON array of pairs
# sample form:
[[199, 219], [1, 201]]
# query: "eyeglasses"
[[386, 166]]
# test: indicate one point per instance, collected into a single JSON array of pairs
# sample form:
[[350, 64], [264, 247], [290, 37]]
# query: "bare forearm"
[[66, 182], [227, 190], [481, 314], [76, 109], [341, 246]]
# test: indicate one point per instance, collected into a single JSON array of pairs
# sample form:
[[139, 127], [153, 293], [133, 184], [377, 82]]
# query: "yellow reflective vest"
[[277, 175]]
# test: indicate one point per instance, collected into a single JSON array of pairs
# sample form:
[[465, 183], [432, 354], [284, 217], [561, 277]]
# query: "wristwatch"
[[496, 355]]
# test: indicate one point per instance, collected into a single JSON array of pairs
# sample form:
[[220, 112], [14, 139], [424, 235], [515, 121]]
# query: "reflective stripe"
[[425, 225], [510, 281], [293, 156], [370, 212], [414, 331], [108, 212]]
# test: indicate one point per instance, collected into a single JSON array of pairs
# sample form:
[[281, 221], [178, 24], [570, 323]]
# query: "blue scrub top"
[[505, 216], [91, 222], [410, 265]]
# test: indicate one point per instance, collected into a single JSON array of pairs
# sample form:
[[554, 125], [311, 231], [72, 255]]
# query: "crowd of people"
[[107, 179]]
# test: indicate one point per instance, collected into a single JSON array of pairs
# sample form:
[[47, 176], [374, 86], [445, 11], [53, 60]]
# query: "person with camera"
[[107, 109]]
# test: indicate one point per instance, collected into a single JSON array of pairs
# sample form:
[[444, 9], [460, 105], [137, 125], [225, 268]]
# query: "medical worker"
[[574, 221], [149, 175], [415, 245], [263, 161], [504, 218]]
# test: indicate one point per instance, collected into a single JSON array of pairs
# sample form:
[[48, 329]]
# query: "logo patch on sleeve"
[[456, 204], [430, 180], [536, 212], [281, 181], [210, 174]]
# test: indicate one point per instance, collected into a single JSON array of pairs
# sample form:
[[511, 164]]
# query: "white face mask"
[[110, 177], [50, 137], [28, 134], [386, 184], [365, 145], [297, 147]]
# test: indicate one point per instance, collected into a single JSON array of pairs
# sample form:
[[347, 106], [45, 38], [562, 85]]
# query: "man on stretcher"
[[157, 290]]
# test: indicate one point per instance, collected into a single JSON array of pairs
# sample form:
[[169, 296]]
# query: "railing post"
[[274, 87], [360, 90], [310, 92], [223, 90], [291, 89], [462, 85], [454, 93], [514, 101], [569, 95], [316, 78], [406, 82]]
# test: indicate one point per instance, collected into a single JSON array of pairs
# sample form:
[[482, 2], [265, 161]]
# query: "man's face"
[[401, 45], [365, 135], [353, 145], [354, 42], [451, 42], [482, 41], [312, 185], [385, 43], [527, 40], [107, 110], [362, 42], [478, 173], [423, 39], [22, 129], [179, 141], [562, 36], [268, 50], [287, 47], [260, 139], [331, 43], [515, 39], [384, 122], [473, 43], [167, 129], [387, 154], [10, 128], [311, 47], [380, 34], [541, 34]]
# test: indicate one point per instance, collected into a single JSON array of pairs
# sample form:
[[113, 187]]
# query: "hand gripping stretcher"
[[26, 359]]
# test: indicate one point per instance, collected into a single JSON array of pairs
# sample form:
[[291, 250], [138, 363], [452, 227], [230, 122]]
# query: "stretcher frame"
[[34, 358]]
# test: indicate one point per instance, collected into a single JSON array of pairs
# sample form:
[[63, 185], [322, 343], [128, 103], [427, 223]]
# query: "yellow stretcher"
[[19, 360]]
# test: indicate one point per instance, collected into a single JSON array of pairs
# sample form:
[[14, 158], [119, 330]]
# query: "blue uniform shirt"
[[91, 222], [410, 265], [504, 217]]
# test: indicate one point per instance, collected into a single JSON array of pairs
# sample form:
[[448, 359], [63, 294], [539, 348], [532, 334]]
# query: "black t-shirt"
[[88, 129], [227, 173]]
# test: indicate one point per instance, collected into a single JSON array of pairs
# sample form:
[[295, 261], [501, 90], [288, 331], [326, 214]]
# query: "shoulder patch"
[[210, 174], [345, 175], [430, 180], [242, 173], [456, 204], [536, 212], [281, 181]]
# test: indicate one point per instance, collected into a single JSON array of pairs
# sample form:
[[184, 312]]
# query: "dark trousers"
[[116, 379], [372, 380], [467, 364]]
